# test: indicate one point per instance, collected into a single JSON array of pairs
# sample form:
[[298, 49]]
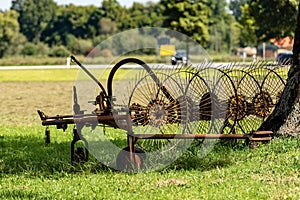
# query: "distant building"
[[270, 51], [283, 43], [249, 51]]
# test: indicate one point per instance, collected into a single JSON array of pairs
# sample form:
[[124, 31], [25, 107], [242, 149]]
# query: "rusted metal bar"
[[89, 74], [61, 119], [262, 132], [192, 136]]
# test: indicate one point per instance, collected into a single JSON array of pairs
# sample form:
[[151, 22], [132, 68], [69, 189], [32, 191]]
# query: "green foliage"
[[143, 15], [59, 51], [187, 17], [16, 46], [9, 31], [34, 16], [222, 30], [208, 22], [78, 46], [235, 7], [78, 21], [43, 49], [248, 27], [107, 26], [29, 49], [269, 19], [113, 10]]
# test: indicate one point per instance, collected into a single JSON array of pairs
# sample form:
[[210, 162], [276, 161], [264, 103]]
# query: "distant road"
[[88, 66], [38, 67]]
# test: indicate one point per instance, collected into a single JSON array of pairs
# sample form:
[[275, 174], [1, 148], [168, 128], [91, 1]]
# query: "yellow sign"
[[167, 50]]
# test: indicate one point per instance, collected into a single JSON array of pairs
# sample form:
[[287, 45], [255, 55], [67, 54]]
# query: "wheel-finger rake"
[[182, 102]]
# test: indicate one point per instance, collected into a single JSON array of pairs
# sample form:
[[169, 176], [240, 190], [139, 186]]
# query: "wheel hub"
[[157, 113]]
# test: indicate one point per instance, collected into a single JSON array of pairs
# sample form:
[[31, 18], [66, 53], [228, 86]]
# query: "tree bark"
[[290, 92]]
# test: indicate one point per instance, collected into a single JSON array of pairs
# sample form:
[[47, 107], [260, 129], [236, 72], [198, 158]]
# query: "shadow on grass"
[[220, 156], [30, 154]]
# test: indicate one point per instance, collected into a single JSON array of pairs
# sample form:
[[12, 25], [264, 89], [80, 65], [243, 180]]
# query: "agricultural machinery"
[[166, 103]]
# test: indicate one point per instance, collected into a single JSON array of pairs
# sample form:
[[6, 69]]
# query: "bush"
[[78, 46], [59, 51], [95, 52], [43, 49], [29, 49]]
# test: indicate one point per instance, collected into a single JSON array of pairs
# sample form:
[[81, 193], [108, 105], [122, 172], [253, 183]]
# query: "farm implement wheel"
[[247, 87], [271, 84], [200, 102], [225, 93], [158, 107], [127, 161]]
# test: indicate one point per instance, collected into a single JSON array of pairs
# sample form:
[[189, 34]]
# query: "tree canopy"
[[218, 25], [187, 17], [34, 16], [9, 27], [262, 20]]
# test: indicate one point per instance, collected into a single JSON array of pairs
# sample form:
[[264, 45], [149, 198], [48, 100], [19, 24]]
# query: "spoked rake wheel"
[[200, 102], [224, 92], [157, 105], [272, 85], [247, 88]]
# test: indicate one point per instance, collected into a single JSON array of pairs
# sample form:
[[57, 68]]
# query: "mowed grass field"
[[29, 169]]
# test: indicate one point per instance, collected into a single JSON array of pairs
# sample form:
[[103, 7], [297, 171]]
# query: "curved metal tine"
[[145, 66]]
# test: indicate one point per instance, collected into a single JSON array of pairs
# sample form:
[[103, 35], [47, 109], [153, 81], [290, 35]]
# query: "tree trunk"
[[290, 92]]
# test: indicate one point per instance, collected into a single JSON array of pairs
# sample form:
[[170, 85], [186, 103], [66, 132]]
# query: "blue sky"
[[5, 4]]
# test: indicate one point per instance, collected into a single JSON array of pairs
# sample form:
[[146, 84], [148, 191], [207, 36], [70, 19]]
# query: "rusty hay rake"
[[181, 102]]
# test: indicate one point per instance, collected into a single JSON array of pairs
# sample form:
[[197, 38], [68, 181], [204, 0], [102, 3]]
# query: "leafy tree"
[[59, 51], [113, 10], [188, 17], [138, 16], [220, 27], [107, 26], [270, 18], [248, 27], [74, 20], [95, 15], [9, 32], [235, 7], [155, 14], [34, 16]]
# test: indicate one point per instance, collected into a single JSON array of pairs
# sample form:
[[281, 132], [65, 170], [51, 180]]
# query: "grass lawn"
[[29, 169]]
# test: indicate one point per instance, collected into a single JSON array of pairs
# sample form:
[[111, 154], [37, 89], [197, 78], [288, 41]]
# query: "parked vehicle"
[[284, 58], [179, 57]]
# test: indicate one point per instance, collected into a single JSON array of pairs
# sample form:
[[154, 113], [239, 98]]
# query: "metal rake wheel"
[[224, 89], [154, 109], [247, 88], [156, 103], [200, 101], [271, 87]]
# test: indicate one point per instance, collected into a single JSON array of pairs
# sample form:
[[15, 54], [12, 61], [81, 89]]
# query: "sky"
[[5, 4]]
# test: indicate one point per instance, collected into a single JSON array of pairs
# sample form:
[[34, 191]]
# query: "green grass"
[[31, 170], [38, 75]]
